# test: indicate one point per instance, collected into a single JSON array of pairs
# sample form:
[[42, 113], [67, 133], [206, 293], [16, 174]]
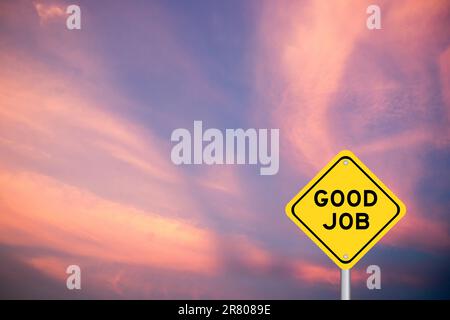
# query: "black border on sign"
[[334, 254]]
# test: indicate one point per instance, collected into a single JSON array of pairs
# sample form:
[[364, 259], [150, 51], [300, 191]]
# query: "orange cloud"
[[71, 220], [47, 12], [52, 266], [110, 195], [111, 188], [316, 273], [52, 124]]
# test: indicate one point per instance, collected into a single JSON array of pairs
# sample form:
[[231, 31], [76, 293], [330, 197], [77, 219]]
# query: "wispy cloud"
[[49, 11], [85, 121], [332, 84]]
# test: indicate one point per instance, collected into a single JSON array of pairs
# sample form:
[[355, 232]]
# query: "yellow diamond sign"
[[345, 209]]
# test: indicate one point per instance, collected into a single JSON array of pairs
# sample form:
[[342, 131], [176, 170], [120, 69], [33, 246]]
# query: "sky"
[[85, 123]]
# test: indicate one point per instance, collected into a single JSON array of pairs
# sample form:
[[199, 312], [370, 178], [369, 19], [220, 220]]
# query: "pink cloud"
[[71, 220], [315, 54], [48, 12], [104, 165], [420, 233], [444, 67], [100, 163], [78, 177], [52, 124], [307, 55], [51, 266], [312, 273]]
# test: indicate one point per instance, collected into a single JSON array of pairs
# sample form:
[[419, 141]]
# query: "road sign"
[[345, 209]]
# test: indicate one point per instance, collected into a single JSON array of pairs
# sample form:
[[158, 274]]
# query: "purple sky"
[[85, 124]]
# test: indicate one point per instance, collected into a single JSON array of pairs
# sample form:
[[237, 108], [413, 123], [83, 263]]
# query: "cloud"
[[106, 184], [71, 220], [444, 68], [80, 179], [49, 12], [331, 84], [85, 171], [420, 233], [311, 273], [307, 56], [60, 126]]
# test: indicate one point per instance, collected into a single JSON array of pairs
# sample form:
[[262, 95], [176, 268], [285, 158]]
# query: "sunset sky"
[[86, 118]]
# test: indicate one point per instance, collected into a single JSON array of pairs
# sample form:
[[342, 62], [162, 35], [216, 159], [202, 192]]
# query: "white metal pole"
[[345, 284]]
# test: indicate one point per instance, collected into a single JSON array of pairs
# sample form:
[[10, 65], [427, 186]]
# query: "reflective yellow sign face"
[[345, 209]]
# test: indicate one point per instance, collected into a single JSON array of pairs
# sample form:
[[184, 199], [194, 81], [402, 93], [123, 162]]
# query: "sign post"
[[345, 284], [345, 209]]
